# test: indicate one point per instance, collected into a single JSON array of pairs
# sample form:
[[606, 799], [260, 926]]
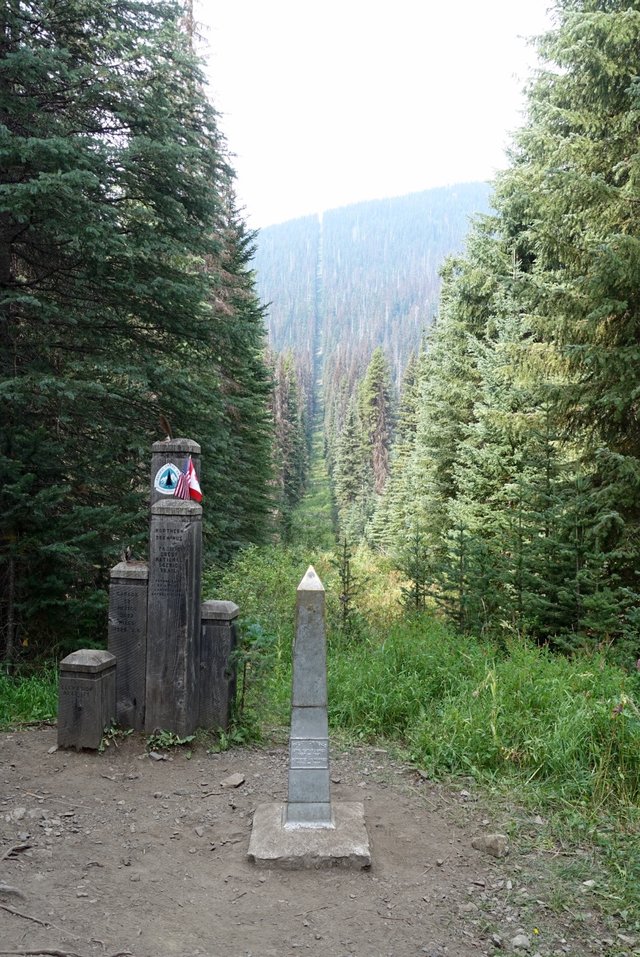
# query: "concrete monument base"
[[294, 846]]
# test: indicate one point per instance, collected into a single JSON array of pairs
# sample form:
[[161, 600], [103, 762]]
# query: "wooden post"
[[128, 640], [173, 616], [87, 698], [217, 667]]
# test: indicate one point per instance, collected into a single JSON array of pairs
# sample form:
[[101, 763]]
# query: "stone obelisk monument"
[[309, 830], [309, 801]]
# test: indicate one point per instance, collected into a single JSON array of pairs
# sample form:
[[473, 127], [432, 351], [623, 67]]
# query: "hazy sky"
[[329, 102]]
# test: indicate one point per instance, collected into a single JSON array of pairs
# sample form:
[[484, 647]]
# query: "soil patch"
[[118, 853]]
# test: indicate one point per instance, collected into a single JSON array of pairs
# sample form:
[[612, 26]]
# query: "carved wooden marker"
[[217, 666], [128, 640], [86, 698], [173, 626], [175, 663], [309, 803]]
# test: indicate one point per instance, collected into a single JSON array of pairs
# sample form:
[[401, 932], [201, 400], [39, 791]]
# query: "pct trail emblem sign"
[[166, 479]]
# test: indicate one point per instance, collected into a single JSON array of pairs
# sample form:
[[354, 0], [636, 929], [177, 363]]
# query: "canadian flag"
[[188, 485]]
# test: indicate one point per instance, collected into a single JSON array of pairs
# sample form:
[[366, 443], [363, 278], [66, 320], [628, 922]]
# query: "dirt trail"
[[131, 855]]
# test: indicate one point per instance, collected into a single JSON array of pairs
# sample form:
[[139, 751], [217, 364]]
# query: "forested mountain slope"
[[364, 275]]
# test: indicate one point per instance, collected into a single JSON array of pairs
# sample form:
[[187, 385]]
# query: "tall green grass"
[[572, 726], [30, 698], [568, 727], [263, 582]]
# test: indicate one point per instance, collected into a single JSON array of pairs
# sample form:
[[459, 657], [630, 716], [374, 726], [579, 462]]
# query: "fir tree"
[[446, 387], [569, 201], [394, 511], [374, 402], [352, 478], [244, 438], [122, 265], [290, 449]]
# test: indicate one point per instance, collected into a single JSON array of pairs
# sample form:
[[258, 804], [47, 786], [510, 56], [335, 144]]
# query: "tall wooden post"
[[173, 619]]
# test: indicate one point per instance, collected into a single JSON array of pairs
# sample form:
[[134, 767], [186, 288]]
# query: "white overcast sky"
[[329, 102]]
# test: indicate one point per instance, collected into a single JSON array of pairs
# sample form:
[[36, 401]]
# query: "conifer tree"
[[242, 446], [413, 563], [374, 401], [447, 388], [569, 201], [527, 455], [290, 449], [353, 479], [124, 284], [509, 488], [394, 511]]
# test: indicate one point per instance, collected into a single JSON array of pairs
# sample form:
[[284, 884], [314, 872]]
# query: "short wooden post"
[[87, 698], [217, 666]]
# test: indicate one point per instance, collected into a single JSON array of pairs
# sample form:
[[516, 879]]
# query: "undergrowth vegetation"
[[29, 698], [568, 727], [560, 735]]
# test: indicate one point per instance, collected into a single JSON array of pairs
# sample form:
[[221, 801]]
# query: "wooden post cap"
[[219, 610], [88, 660]]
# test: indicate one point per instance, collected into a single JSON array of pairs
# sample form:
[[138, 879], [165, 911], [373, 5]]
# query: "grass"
[[28, 699], [567, 729], [313, 520], [564, 729]]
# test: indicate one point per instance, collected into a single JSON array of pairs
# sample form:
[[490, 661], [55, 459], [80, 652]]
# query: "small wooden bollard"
[[217, 667], [87, 698], [128, 640]]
